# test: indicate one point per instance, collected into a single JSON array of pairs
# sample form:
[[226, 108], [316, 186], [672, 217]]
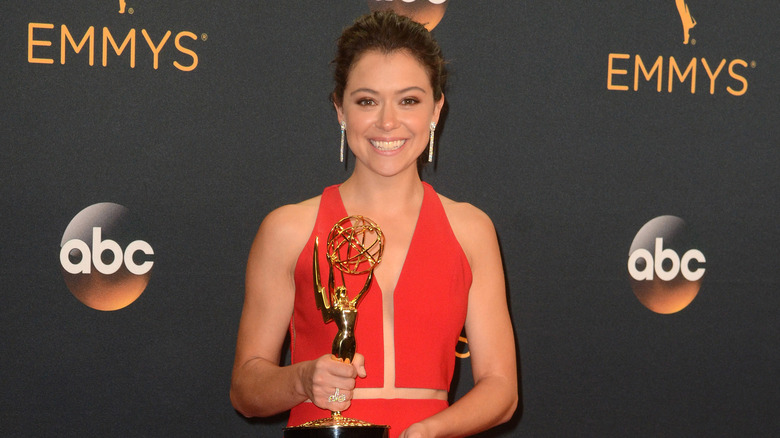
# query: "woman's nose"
[[388, 119]]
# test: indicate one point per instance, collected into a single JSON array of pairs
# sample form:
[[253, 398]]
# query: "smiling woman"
[[389, 111], [441, 268]]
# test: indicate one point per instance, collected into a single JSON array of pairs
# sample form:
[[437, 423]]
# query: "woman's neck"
[[372, 193]]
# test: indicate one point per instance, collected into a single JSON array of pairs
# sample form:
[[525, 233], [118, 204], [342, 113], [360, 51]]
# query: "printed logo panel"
[[59, 43], [104, 265], [426, 12], [687, 20], [664, 266], [637, 72]]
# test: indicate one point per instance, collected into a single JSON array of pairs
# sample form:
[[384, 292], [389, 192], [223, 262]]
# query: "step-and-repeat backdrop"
[[626, 151]]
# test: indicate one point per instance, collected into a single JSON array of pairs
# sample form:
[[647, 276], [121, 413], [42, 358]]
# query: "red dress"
[[430, 301]]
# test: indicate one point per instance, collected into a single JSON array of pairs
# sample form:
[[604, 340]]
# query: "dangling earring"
[[430, 143], [343, 128]]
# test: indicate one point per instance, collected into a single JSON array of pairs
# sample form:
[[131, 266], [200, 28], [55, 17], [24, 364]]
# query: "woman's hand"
[[323, 376], [416, 430]]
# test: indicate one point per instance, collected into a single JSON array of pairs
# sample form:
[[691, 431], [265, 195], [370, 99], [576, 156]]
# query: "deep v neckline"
[[408, 248]]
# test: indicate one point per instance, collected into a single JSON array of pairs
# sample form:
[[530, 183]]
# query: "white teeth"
[[387, 145]]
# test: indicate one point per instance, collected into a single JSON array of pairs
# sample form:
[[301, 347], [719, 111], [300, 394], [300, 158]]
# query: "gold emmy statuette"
[[355, 246]]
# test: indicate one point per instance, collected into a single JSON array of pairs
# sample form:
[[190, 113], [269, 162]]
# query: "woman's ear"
[[437, 109], [339, 111]]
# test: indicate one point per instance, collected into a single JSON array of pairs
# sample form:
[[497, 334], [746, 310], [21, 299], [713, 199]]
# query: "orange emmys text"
[[620, 67], [41, 35]]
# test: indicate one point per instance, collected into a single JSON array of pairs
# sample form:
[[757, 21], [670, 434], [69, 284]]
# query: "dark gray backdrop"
[[567, 169]]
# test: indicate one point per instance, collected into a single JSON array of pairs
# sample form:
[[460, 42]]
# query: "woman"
[[440, 269]]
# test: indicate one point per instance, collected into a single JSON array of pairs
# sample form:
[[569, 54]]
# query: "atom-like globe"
[[355, 245]]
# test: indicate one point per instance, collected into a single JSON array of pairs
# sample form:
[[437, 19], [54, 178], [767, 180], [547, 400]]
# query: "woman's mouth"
[[387, 145]]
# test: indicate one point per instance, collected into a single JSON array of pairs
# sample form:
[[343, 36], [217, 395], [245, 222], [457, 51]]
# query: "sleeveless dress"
[[429, 301]]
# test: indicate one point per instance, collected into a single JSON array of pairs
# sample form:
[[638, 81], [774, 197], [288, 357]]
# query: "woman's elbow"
[[238, 403], [511, 409], [243, 403], [510, 400]]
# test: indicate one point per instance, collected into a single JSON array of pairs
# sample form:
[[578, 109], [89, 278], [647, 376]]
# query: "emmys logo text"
[[664, 267], [623, 74], [104, 266], [47, 43], [632, 72]]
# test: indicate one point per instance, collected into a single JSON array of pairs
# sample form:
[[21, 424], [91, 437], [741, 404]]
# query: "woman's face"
[[388, 107]]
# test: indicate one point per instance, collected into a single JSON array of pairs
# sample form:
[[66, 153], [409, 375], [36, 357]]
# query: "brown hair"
[[387, 32]]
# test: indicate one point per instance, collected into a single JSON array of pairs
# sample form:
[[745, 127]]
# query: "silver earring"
[[343, 128], [430, 143]]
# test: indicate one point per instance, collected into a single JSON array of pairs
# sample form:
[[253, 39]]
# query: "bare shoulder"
[[287, 228], [465, 216], [293, 215], [472, 227]]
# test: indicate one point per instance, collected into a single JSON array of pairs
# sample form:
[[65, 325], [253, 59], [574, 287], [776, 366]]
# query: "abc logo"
[[426, 12], [103, 265], [665, 270]]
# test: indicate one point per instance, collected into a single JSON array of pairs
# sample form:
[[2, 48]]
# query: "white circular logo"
[[665, 269], [426, 12], [104, 266]]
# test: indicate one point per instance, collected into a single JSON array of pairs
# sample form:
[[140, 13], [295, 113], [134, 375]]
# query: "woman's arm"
[[260, 386], [493, 399]]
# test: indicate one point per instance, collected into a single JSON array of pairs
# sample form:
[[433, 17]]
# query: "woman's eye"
[[365, 102], [409, 101]]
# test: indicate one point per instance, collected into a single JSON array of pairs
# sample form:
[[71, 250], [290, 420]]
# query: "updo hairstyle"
[[387, 32]]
